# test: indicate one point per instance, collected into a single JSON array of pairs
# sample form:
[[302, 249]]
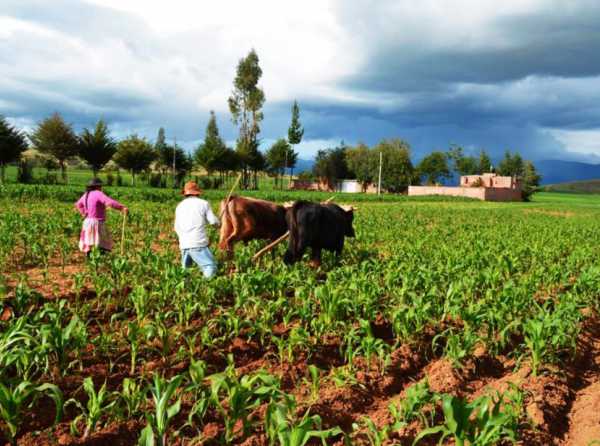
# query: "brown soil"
[[562, 405]]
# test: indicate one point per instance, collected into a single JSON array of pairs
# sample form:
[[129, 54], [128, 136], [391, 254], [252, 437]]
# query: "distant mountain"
[[556, 171], [302, 165]]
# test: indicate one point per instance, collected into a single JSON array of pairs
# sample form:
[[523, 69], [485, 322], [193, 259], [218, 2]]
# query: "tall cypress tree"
[[295, 134], [211, 152], [160, 145]]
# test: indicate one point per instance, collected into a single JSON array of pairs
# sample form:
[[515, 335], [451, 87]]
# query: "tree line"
[[393, 156]]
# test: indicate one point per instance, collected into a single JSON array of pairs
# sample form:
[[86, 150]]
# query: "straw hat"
[[191, 188]]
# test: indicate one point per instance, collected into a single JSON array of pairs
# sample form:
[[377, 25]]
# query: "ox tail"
[[292, 223], [227, 224]]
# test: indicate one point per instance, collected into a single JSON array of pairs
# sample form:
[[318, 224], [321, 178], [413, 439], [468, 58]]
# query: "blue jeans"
[[202, 257]]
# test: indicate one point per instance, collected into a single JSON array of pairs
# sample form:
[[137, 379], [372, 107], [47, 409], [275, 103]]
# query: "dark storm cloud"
[[544, 48], [550, 42]]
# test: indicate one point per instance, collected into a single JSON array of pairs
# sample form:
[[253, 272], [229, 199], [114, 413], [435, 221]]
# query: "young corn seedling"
[[59, 341], [242, 397], [14, 399], [485, 421], [140, 298], [135, 334], [163, 392], [98, 405], [200, 392], [285, 429], [132, 396], [315, 381], [376, 437], [19, 350], [412, 406]]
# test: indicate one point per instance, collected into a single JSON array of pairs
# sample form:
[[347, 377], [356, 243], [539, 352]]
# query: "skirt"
[[94, 233]]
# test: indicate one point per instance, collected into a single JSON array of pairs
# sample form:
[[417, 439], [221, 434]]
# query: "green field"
[[476, 321]]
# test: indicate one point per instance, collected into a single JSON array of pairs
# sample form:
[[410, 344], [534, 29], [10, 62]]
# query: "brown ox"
[[244, 219]]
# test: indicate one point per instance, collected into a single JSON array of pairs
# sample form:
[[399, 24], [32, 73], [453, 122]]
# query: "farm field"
[[447, 321]]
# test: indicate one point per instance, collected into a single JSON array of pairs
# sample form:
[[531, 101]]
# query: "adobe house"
[[486, 187]]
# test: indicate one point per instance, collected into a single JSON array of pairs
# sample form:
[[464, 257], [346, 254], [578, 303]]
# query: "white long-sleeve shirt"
[[191, 217]]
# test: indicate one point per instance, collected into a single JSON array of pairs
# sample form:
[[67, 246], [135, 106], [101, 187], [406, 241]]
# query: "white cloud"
[[585, 142]]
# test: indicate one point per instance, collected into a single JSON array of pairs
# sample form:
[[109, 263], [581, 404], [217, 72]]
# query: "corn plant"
[[412, 406], [315, 381], [19, 349], [484, 421], [97, 406], [285, 429], [25, 299], [57, 340], [13, 400], [201, 393], [131, 397], [376, 437], [162, 392], [241, 396]]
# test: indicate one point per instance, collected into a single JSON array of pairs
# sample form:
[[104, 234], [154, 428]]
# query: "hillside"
[[557, 171], [585, 186]]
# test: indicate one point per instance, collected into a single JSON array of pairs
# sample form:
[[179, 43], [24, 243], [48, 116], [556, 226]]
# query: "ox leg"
[[315, 259], [224, 235]]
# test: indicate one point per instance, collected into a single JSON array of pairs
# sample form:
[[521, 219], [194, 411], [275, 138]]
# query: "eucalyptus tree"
[[245, 104]]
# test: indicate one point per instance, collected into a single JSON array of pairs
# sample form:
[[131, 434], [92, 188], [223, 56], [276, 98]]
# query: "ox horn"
[[270, 246], [329, 200], [288, 204], [348, 207]]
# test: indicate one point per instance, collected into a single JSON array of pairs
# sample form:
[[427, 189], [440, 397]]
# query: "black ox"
[[317, 226]]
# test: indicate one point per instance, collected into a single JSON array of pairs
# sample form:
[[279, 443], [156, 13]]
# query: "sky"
[[518, 74]]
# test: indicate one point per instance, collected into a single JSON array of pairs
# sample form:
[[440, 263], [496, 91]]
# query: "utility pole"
[[284, 167], [379, 182], [174, 150]]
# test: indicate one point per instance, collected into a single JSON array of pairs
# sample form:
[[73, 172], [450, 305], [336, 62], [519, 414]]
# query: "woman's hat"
[[191, 188], [94, 182]]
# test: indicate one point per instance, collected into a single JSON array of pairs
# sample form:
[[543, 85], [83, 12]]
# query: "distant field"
[[586, 186]]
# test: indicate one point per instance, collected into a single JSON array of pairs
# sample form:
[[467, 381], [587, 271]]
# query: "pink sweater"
[[96, 204]]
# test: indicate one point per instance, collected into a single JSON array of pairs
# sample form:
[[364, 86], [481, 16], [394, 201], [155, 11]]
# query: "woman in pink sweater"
[[92, 205]]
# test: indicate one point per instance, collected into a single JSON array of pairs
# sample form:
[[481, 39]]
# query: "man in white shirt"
[[191, 217]]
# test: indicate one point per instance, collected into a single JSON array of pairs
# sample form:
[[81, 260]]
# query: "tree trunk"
[[63, 170], [132, 178], [2, 173]]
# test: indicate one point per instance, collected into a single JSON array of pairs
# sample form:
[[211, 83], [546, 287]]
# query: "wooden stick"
[[229, 194], [123, 233], [270, 246]]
